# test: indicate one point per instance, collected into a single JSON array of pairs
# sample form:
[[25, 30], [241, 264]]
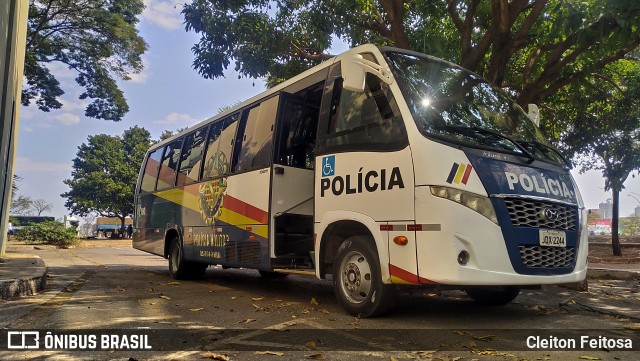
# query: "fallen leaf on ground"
[[589, 358], [233, 298], [152, 303], [196, 309], [311, 345], [215, 356], [120, 289], [248, 320], [257, 298], [316, 356], [314, 301], [173, 283], [274, 353], [165, 297]]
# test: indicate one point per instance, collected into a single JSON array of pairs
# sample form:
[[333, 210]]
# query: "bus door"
[[293, 178], [365, 169]]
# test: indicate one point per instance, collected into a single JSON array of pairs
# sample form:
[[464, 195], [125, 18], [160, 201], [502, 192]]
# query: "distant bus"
[[380, 167], [20, 222]]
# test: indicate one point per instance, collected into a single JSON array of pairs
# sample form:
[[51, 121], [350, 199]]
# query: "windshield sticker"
[[459, 173]]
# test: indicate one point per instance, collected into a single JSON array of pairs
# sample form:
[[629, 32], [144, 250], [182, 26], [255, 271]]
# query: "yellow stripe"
[[398, 280], [235, 219], [459, 174]]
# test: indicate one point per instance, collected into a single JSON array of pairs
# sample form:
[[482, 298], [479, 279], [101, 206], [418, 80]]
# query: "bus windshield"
[[455, 105]]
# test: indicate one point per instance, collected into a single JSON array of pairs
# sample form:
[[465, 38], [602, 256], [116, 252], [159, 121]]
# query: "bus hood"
[[503, 178]]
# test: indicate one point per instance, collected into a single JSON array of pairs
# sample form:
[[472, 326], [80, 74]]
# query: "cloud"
[[164, 13], [68, 118], [177, 118], [72, 104], [25, 165], [141, 77]]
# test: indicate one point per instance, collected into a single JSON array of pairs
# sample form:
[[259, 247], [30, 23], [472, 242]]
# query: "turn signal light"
[[400, 240]]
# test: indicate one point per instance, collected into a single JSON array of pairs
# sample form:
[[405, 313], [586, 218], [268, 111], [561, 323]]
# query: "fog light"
[[463, 258]]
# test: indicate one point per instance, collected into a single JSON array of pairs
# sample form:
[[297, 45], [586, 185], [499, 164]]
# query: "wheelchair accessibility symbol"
[[328, 166]]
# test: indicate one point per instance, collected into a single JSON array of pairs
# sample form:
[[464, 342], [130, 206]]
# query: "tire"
[[180, 269], [272, 275], [493, 296], [357, 279]]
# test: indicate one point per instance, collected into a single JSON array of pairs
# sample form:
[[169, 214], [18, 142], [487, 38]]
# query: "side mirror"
[[354, 71], [534, 114]]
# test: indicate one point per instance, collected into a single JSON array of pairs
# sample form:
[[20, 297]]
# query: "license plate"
[[553, 238]]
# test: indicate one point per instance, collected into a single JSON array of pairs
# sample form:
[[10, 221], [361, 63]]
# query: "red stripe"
[[246, 209], [386, 227], [467, 172], [402, 274], [427, 282]]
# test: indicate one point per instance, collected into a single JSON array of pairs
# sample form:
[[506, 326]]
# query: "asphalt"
[[23, 274]]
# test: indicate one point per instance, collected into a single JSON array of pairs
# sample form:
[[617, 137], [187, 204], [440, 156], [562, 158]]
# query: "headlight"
[[478, 203]]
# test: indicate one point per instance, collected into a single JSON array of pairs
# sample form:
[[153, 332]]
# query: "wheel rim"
[[355, 277]]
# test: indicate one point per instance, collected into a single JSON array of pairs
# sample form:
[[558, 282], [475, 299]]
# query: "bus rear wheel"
[[357, 279], [493, 296], [180, 269]]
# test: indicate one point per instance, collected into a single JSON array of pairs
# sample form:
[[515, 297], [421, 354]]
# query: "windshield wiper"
[[462, 129], [553, 149]]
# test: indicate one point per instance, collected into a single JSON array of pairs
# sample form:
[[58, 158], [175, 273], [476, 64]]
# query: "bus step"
[[298, 272]]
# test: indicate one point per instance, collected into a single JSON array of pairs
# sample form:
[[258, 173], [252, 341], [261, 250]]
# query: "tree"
[[105, 172], [40, 205], [21, 205], [97, 39], [606, 127], [631, 226], [166, 134], [532, 47]]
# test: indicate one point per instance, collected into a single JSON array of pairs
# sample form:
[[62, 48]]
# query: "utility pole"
[[13, 35]]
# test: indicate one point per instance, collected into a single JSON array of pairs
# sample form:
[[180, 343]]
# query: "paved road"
[[238, 314]]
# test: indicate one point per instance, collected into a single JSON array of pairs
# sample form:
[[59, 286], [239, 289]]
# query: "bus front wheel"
[[357, 279], [179, 268], [493, 296]]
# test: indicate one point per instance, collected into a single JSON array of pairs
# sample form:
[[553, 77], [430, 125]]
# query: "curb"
[[612, 274], [25, 285]]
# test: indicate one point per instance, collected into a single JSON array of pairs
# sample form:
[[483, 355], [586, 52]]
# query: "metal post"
[[13, 34]]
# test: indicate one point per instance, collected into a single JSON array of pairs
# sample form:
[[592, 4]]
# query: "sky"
[[167, 95]]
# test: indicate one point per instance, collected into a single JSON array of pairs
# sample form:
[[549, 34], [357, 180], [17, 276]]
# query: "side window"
[[219, 147], [168, 165], [367, 120], [150, 175], [297, 127], [191, 157], [255, 143]]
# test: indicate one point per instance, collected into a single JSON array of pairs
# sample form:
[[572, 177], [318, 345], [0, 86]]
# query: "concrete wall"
[[13, 33]]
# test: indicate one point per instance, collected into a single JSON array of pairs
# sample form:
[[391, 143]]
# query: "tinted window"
[[191, 157], [150, 174], [367, 120], [169, 164], [219, 146], [255, 144], [298, 124]]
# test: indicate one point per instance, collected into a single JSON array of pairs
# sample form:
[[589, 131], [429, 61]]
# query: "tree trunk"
[[615, 237], [122, 230]]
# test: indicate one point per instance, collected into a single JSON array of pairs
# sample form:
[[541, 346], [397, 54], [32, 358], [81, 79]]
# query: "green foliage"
[[631, 226], [48, 233], [95, 38], [105, 172]]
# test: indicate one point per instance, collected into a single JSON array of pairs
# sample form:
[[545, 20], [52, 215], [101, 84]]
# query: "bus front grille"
[[540, 214], [547, 257]]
